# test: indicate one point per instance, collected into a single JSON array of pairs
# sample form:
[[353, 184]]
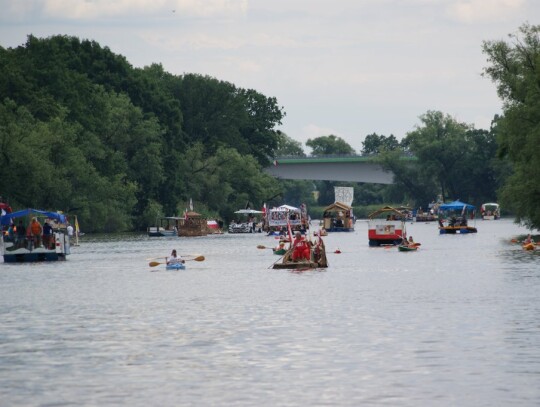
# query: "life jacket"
[[36, 228]]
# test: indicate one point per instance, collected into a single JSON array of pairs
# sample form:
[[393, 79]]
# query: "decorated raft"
[[317, 259]]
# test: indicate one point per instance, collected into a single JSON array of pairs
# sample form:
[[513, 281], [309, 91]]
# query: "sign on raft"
[[385, 229]]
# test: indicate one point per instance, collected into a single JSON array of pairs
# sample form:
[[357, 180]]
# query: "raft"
[[452, 230], [175, 266], [318, 259]]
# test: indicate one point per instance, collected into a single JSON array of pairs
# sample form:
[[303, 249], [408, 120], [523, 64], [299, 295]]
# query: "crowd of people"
[[34, 235]]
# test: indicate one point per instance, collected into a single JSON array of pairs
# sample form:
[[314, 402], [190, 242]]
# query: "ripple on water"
[[455, 323]]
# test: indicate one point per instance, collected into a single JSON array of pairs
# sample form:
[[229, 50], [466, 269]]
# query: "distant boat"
[[248, 222], [490, 211], [338, 217], [26, 249], [458, 215], [165, 226], [386, 226], [192, 224]]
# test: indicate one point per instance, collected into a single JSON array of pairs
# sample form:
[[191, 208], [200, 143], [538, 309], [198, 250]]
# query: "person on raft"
[[301, 249]]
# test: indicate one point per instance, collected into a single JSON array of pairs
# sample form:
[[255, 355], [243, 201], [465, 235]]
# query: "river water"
[[456, 323]]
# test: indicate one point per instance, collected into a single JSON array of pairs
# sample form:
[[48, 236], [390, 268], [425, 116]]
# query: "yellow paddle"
[[157, 263]]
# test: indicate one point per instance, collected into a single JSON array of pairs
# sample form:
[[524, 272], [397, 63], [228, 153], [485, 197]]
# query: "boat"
[[165, 226], [318, 258], [386, 226], [407, 248], [457, 214], [490, 211], [250, 224], [277, 219], [175, 266], [338, 217], [192, 224], [22, 250], [214, 227]]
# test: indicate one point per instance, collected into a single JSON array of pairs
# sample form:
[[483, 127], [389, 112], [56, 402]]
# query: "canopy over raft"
[[8, 218]]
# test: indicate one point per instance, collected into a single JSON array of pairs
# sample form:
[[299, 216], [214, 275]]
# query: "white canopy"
[[285, 208], [248, 211]]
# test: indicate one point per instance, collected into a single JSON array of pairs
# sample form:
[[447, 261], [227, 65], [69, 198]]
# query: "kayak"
[[402, 248], [175, 266], [528, 246]]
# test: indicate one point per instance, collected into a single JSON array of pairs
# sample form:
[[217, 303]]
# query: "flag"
[[76, 226], [289, 231]]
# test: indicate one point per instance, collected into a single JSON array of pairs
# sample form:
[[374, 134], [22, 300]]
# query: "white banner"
[[344, 195]]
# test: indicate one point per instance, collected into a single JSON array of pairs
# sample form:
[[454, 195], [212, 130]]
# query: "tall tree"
[[375, 144], [440, 146], [515, 68], [287, 146], [329, 145]]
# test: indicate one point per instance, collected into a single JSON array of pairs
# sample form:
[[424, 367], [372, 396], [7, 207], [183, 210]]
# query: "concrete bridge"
[[338, 168]]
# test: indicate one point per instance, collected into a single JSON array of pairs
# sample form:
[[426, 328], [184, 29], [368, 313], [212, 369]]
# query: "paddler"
[[301, 250], [174, 258]]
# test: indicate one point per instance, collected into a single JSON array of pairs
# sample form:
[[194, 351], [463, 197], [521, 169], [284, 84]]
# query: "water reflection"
[[455, 323]]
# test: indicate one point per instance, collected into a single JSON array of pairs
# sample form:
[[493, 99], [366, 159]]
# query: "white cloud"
[[473, 11], [86, 10]]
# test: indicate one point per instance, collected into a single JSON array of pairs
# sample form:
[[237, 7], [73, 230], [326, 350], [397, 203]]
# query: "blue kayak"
[[175, 266]]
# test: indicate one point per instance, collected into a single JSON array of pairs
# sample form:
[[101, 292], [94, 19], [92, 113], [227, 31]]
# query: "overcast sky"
[[342, 67]]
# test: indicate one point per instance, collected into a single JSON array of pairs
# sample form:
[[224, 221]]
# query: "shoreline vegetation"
[[120, 146]]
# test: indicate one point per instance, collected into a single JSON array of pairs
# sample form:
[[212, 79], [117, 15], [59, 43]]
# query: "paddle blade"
[[260, 246], [154, 263], [199, 258]]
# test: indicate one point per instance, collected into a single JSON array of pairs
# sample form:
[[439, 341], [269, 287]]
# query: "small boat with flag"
[[36, 235]]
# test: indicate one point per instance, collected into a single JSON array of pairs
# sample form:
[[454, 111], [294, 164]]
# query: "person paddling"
[[174, 258]]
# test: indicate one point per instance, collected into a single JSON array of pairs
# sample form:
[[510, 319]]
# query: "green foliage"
[[514, 67], [329, 145], [83, 131], [287, 147], [376, 144]]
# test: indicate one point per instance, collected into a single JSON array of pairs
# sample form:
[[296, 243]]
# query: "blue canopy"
[[456, 206], [6, 219]]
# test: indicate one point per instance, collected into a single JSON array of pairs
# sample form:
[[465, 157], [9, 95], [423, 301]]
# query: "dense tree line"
[[83, 131], [515, 68]]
